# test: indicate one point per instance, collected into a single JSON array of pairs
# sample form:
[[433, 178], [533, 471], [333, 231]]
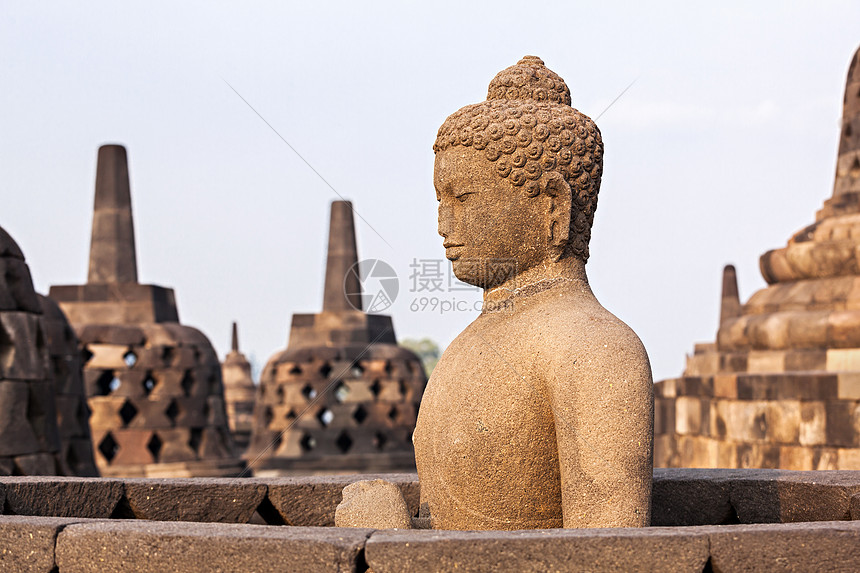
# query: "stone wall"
[[798, 421], [720, 520]]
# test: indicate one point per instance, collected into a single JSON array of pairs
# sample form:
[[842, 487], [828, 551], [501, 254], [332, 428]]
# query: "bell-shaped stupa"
[[343, 396], [29, 439], [780, 387], [153, 384]]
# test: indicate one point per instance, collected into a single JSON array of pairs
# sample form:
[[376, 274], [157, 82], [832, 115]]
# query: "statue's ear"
[[558, 223]]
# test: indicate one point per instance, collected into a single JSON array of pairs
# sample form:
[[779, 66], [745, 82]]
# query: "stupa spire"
[[234, 344], [848, 161], [342, 284], [112, 252], [730, 305]]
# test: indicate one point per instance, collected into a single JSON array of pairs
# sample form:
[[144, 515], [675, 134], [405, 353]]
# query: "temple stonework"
[[154, 385], [29, 438], [780, 387], [343, 396], [239, 393]]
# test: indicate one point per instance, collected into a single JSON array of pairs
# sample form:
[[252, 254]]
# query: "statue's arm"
[[603, 408]]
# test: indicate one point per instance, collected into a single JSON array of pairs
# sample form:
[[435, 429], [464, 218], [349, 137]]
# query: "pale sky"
[[723, 147]]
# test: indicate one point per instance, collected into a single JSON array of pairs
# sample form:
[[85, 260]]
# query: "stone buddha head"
[[517, 176]]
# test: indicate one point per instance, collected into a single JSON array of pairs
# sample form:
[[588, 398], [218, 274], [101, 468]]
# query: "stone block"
[[842, 424], [18, 435], [646, 549], [813, 423], [28, 543], [312, 500], [828, 546], [726, 386], [795, 458], [688, 415], [766, 361], [848, 458], [41, 464], [107, 356], [849, 386], [691, 497], [62, 496], [782, 496], [29, 358], [783, 421], [195, 499], [122, 546], [843, 359]]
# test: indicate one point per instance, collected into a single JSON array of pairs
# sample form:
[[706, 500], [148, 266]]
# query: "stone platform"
[[704, 520]]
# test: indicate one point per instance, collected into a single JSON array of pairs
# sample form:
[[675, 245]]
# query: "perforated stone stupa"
[[153, 385], [780, 387], [239, 392], [343, 396], [29, 439]]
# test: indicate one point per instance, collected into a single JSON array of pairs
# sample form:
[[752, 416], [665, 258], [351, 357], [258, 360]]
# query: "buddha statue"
[[540, 413]]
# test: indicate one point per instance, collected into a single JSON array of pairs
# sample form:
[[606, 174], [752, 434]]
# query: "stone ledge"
[[138, 546]]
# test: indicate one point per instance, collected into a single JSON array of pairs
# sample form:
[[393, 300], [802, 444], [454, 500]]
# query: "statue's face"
[[489, 226]]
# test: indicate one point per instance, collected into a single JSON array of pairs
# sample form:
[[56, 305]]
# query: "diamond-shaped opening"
[[154, 446], [196, 439], [187, 383], [848, 131], [127, 412], [130, 358], [343, 442], [388, 367], [309, 392], [85, 355], [401, 387], [379, 441], [167, 354], [172, 412], [295, 370], [148, 383], [108, 447], [325, 369], [376, 388], [307, 443], [291, 415], [360, 414], [341, 392], [279, 392], [356, 370], [105, 383], [325, 416], [392, 413], [268, 416]]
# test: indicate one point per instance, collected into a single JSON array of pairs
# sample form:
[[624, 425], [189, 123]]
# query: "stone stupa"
[[239, 392], [29, 438], [343, 396], [780, 387], [153, 385]]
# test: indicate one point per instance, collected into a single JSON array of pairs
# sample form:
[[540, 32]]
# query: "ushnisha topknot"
[[529, 131]]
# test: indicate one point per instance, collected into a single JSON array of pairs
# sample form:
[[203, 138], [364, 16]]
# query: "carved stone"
[[343, 396], [29, 437], [239, 392], [154, 386], [539, 414], [780, 387]]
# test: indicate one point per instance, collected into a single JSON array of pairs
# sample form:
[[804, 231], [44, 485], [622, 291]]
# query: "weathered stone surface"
[[129, 546], [692, 497], [540, 413], [376, 504], [824, 546], [651, 549], [343, 395], [62, 496], [313, 500], [28, 543], [196, 499]]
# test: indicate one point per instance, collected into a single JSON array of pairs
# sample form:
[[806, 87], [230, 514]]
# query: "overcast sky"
[[723, 147]]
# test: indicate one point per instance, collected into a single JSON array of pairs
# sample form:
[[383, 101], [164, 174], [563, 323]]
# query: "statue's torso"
[[486, 434]]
